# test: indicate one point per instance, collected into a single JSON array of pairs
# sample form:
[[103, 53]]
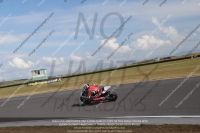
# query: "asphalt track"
[[36, 107]]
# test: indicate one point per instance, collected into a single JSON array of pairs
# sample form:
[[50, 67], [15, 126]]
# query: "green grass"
[[6, 83], [165, 70]]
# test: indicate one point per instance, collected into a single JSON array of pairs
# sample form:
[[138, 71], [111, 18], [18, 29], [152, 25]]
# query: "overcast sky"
[[155, 29]]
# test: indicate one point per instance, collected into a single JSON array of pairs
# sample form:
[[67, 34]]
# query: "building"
[[40, 74], [157, 59]]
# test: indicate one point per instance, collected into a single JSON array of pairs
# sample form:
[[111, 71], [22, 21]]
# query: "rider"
[[93, 92]]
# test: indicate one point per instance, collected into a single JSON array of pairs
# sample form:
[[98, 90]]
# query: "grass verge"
[[181, 68]]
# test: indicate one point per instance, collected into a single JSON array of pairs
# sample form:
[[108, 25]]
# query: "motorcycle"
[[95, 93]]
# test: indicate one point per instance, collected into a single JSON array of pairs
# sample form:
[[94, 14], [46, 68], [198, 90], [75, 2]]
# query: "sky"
[[58, 31]]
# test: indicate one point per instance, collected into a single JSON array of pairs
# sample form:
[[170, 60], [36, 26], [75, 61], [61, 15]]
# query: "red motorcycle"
[[95, 93]]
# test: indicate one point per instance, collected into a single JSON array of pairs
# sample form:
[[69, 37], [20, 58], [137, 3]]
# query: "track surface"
[[72, 108]]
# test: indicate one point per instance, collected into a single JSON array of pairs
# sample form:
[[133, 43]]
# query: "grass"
[[5, 83], [165, 70], [134, 129]]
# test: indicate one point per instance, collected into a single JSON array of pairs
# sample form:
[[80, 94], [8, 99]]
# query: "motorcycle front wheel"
[[84, 100], [112, 96]]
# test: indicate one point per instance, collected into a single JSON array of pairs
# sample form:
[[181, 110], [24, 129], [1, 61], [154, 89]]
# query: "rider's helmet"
[[86, 86]]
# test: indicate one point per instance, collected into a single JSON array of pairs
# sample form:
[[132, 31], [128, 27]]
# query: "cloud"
[[149, 42], [29, 18], [75, 58], [9, 38], [20, 63], [88, 55], [112, 44], [155, 21], [172, 33], [97, 37], [50, 59], [176, 28]]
